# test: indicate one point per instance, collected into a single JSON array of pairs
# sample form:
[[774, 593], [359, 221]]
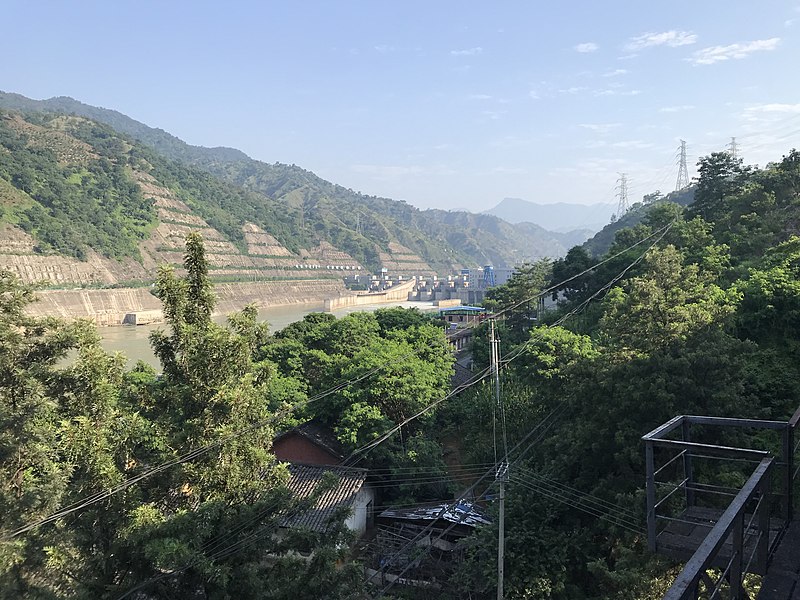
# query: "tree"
[[720, 176], [33, 475], [665, 304], [517, 299]]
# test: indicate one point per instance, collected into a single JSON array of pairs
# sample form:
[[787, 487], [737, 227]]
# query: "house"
[[309, 443], [421, 546], [461, 316], [312, 451], [350, 494], [461, 377]]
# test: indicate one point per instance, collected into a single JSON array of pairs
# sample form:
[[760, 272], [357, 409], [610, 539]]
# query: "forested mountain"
[[293, 206], [599, 243]]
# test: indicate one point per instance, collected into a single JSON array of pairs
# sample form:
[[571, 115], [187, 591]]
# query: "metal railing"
[[741, 536]]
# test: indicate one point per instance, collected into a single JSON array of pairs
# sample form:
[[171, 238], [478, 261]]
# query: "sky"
[[445, 104]]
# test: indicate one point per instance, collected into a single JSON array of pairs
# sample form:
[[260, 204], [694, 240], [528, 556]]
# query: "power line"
[[585, 496], [363, 450], [518, 353], [566, 500], [542, 427], [196, 453]]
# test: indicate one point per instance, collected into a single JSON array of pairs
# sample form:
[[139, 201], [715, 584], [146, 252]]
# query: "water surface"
[[133, 340]]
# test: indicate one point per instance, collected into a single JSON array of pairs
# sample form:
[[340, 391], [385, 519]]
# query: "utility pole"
[[501, 474], [683, 172], [733, 149], [622, 194]]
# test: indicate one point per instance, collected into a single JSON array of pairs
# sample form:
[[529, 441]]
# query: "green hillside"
[[600, 243], [300, 209]]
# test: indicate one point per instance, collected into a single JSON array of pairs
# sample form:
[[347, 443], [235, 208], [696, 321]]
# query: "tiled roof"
[[461, 376], [463, 513], [304, 481]]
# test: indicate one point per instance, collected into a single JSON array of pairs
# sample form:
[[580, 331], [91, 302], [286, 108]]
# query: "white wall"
[[357, 521]]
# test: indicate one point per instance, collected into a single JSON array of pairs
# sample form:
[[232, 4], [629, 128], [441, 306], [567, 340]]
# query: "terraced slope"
[[65, 214], [301, 210]]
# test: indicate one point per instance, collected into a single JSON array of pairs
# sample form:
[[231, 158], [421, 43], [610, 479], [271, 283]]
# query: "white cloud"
[[674, 109], [616, 73], [627, 56], [714, 54], [395, 171], [617, 92], [670, 38], [494, 115], [774, 108], [383, 48], [573, 90], [512, 141], [534, 95], [467, 52], [480, 97], [637, 144], [600, 127], [509, 170], [586, 47]]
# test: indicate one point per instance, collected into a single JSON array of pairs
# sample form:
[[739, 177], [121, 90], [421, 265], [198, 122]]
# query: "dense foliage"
[[183, 525], [703, 320], [75, 206]]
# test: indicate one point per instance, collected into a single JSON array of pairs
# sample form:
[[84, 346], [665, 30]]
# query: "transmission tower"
[[683, 172], [622, 194], [733, 149]]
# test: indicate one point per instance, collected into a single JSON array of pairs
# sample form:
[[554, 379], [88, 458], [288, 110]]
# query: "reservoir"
[[133, 340]]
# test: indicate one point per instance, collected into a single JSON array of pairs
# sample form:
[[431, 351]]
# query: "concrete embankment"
[[394, 294], [138, 305]]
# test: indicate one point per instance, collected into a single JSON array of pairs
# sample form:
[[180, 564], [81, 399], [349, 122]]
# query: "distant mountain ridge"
[[559, 216], [290, 208]]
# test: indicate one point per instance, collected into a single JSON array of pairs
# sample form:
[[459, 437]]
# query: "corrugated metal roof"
[[463, 309], [304, 481], [463, 513]]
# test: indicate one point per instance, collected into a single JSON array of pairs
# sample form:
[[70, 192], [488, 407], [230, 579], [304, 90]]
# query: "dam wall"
[[394, 294], [138, 306]]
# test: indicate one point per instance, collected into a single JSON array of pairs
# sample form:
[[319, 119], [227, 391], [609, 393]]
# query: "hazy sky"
[[441, 104]]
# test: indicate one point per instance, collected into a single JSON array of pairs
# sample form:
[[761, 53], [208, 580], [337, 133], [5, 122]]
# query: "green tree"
[[669, 302], [517, 299], [720, 176], [33, 475]]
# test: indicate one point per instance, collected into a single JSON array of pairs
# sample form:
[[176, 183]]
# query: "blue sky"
[[441, 104]]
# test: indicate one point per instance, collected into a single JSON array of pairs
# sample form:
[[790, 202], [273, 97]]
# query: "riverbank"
[[111, 307], [134, 342]]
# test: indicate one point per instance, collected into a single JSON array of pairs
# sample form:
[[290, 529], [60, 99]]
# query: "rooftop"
[[463, 513], [320, 434], [304, 480]]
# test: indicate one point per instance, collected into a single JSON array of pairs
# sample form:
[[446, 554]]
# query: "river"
[[133, 340]]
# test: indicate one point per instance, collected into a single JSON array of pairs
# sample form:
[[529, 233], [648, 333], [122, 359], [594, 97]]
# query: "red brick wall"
[[294, 447]]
